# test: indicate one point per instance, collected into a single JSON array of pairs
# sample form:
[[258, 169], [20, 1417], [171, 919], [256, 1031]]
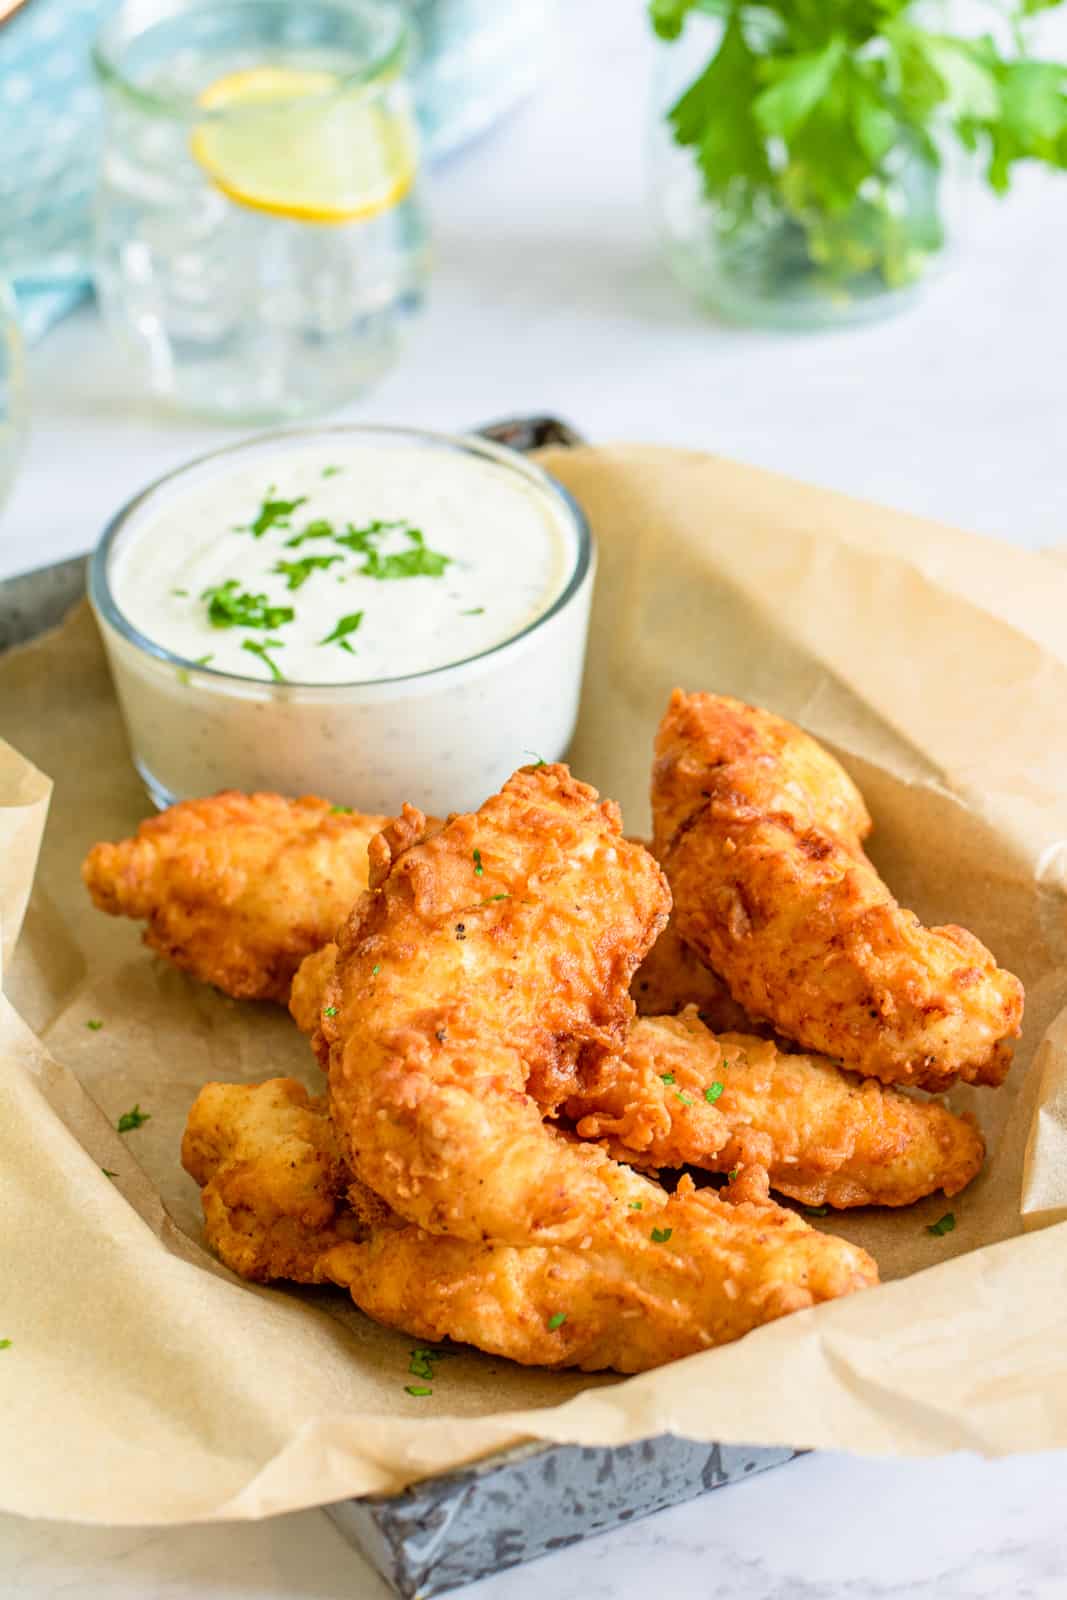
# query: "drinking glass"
[[12, 416], [260, 240]]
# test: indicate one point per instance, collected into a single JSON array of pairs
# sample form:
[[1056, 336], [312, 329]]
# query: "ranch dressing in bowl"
[[376, 615], [357, 564]]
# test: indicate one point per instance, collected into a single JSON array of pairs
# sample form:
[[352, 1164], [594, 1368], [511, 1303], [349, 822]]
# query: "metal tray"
[[521, 1503]]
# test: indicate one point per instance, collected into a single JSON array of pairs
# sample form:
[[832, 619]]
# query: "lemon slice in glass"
[[299, 145]]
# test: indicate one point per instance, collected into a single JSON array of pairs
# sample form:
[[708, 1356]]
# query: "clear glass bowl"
[[442, 739], [238, 287]]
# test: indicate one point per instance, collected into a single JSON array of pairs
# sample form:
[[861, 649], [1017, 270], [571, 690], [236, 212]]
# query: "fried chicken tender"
[[760, 833], [279, 1204], [464, 1002], [672, 976], [237, 889], [824, 1136], [680, 1096]]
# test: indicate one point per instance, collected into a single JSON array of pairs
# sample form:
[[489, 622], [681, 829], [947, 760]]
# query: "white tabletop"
[[549, 295]]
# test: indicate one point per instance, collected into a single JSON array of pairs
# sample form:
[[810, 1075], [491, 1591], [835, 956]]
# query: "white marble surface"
[[549, 295]]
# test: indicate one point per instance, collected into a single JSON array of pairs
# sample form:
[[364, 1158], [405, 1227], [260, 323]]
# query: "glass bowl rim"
[[106, 53], [106, 606]]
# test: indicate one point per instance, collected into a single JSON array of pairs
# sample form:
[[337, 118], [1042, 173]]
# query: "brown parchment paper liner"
[[145, 1384]]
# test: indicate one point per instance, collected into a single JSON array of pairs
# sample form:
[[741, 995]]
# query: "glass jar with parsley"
[[803, 154]]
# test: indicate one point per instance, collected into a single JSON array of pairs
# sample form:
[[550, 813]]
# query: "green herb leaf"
[[331, 472], [363, 540], [816, 1211], [661, 1235], [377, 967], [94, 1024], [556, 1321], [297, 573], [798, 84], [5, 1344], [713, 1091], [133, 1119], [340, 811], [944, 1225], [230, 606], [637, 1205], [257, 647], [329, 1011], [343, 627], [274, 514], [478, 868], [731, 1176], [475, 611], [418, 562], [417, 1390], [666, 1077], [318, 529]]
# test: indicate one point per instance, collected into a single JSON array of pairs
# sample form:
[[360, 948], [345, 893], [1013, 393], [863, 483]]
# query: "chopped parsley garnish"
[[377, 967], [416, 1389], [478, 868], [5, 1344], [661, 1235], [361, 540], [731, 1176], [108, 1172], [202, 661], [230, 606], [133, 1119], [944, 1225], [318, 529], [257, 647], [556, 1321], [94, 1024], [340, 811], [343, 628], [329, 1011], [419, 1365], [666, 1077], [331, 472], [816, 1211], [489, 899], [712, 1092], [637, 1205], [475, 611], [297, 573], [684, 1098], [419, 562], [274, 514], [538, 761]]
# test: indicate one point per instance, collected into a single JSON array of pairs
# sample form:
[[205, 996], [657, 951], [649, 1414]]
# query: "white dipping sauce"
[[297, 644], [493, 552]]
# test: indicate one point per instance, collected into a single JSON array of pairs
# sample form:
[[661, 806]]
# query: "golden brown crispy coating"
[[672, 976], [824, 1136], [237, 889], [759, 831], [278, 1203], [463, 1003]]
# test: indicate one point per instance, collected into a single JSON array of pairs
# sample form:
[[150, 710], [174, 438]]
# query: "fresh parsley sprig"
[[804, 114]]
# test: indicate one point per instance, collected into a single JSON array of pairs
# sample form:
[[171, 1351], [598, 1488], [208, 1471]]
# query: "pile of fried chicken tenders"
[[540, 1038]]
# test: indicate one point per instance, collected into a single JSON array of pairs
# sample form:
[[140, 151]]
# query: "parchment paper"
[[143, 1383]]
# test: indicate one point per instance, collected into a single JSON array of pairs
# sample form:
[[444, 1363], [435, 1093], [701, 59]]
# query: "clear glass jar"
[[783, 263], [12, 396], [260, 242]]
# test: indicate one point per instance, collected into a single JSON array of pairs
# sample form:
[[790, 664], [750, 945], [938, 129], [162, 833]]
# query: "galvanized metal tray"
[[522, 1503]]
